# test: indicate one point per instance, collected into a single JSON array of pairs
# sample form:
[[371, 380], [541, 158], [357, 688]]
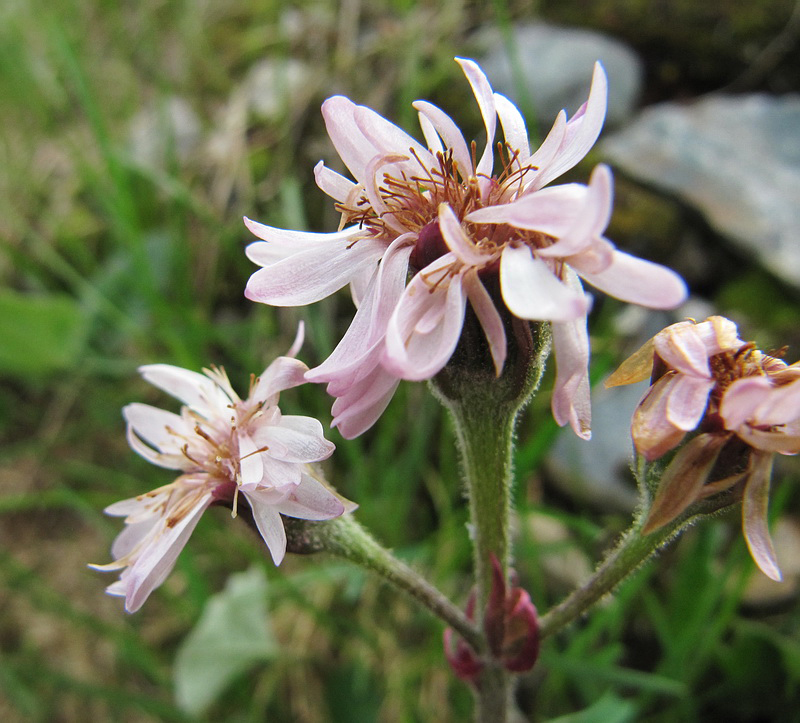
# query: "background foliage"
[[121, 248]]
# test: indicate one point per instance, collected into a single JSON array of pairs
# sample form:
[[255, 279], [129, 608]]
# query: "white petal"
[[311, 500], [313, 274], [194, 390], [639, 282], [571, 402], [485, 97], [582, 130], [359, 408], [417, 356], [270, 525], [448, 131], [532, 291], [300, 437], [152, 567], [281, 243], [334, 184], [251, 464]]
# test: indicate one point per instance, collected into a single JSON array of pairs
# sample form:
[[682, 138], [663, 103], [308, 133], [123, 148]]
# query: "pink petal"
[[514, 129], [489, 318], [363, 403], [448, 131], [269, 524], [358, 349], [353, 148], [687, 401], [282, 243], [653, 434], [683, 349], [552, 211], [415, 349], [639, 282], [390, 139], [532, 291], [458, 241], [283, 373], [547, 152], [251, 461], [334, 184], [313, 274], [571, 394], [156, 562], [582, 130], [311, 500], [755, 523], [781, 406], [485, 97], [741, 399]]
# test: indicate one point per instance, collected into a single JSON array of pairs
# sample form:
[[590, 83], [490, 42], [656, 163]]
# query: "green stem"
[[629, 554], [346, 538], [485, 438]]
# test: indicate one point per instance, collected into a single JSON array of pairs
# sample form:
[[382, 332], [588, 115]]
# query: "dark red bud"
[[429, 247]]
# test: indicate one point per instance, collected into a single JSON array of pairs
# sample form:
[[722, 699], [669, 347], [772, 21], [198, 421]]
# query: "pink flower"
[[455, 222], [223, 445], [744, 406]]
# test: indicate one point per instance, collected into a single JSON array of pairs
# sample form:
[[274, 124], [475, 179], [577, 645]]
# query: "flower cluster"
[[223, 445], [740, 405], [465, 231]]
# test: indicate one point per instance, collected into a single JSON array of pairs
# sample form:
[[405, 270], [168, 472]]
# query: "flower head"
[[223, 445], [740, 406], [424, 229]]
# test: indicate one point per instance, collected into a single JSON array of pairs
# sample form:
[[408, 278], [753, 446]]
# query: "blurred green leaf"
[[40, 333], [609, 709], [232, 634]]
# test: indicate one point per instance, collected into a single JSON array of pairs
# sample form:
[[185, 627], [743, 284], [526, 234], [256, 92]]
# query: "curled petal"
[[687, 401], [755, 504], [653, 434], [283, 373], [741, 400], [355, 411], [311, 500], [485, 97], [334, 184], [571, 402], [514, 129], [424, 330], [457, 240], [682, 348]]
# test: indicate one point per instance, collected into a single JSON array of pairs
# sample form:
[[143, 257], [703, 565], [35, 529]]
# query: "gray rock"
[[557, 64], [735, 158]]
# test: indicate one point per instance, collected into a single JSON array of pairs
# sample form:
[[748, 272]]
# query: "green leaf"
[[39, 334], [232, 635]]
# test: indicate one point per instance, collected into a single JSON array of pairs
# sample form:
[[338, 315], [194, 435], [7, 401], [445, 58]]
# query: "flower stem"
[[346, 538], [632, 550]]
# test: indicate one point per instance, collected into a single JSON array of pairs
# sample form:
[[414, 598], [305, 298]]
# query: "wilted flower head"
[[223, 445], [740, 405], [453, 222]]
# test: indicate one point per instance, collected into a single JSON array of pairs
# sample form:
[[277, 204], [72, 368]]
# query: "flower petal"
[[417, 348], [571, 394], [269, 524], [532, 291], [755, 523], [311, 500], [449, 133], [334, 184], [683, 480], [300, 438], [485, 97], [639, 282], [313, 274], [355, 411]]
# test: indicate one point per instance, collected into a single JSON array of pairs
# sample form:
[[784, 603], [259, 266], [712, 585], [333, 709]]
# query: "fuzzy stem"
[[346, 538], [631, 552]]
